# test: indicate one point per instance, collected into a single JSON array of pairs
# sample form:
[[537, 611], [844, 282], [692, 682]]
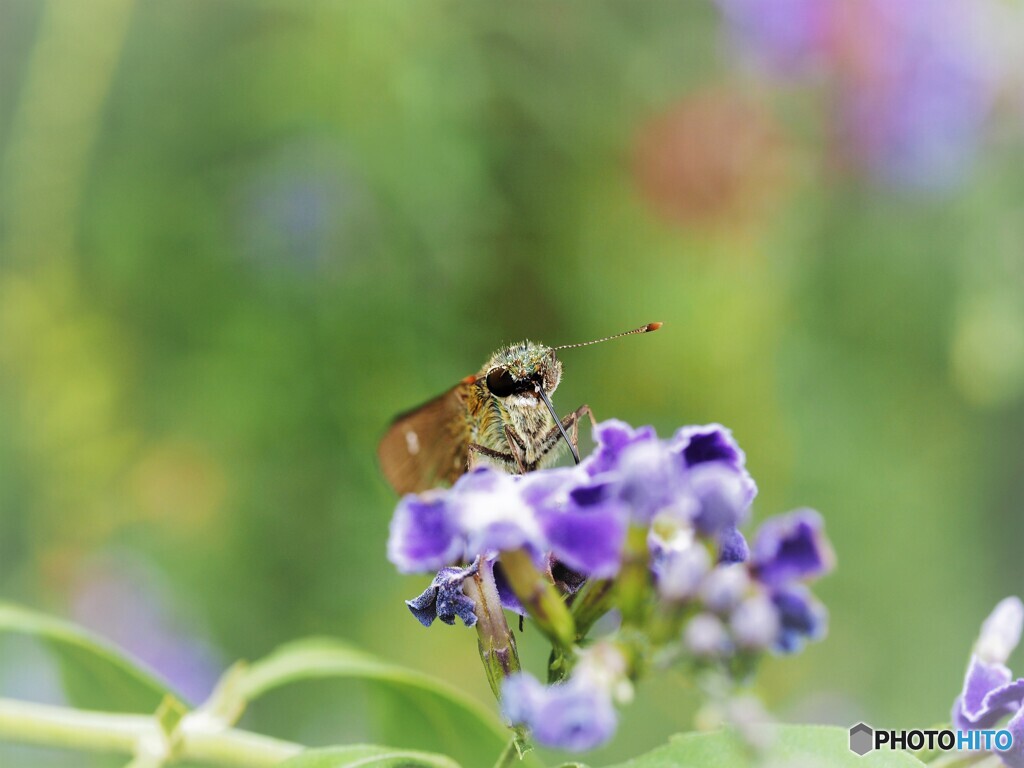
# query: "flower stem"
[[495, 640], [540, 598], [665, 623], [44, 725], [634, 577], [509, 755], [591, 603]]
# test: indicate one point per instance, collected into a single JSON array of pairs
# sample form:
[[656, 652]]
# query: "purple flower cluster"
[[562, 512], [759, 603], [580, 515], [672, 508], [913, 79], [990, 693]]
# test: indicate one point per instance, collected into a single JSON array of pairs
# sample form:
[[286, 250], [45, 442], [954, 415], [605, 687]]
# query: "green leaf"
[[366, 756], [433, 715], [96, 676], [814, 746]]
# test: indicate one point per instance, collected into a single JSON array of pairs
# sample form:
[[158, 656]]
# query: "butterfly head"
[[522, 374]]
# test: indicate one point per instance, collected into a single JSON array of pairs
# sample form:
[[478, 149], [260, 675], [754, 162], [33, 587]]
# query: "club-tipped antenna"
[[643, 329]]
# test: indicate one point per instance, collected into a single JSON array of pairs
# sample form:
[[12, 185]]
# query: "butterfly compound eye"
[[500, 382]]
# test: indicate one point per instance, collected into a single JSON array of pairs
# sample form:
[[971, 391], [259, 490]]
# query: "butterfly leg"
[[506, 461], [570, 424], [575, 416], [517, 447]]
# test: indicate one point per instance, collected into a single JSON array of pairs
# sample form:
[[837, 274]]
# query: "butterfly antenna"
[[643, 329]]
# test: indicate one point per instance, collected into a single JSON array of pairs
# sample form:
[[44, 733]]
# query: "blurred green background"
[[236, 238]]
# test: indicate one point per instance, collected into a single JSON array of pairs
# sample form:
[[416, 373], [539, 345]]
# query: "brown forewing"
[[427, 446]]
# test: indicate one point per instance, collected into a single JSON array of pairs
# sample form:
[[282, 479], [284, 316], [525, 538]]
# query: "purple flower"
[[732, 547], [508, 598], [424, 534], [722, 497], [679, 565], [582, 522], [990, 693], [613, 437], [576, 715], [444, 599], [755, 623], [651, 482], [1001, 631], [705, 636], [587, 532], [801, 617], [791, 546], [492, 513], [724, 587], [713, 443]]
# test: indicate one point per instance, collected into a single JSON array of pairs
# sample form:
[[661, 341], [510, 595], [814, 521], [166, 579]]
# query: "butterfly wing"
[[427, 446]]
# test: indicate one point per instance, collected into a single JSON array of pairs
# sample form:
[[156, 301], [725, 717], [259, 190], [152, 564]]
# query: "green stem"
[[509, 755], [495, 640], [44, 725], [634, 577], [540, 598], [590, 604], [665, 623]]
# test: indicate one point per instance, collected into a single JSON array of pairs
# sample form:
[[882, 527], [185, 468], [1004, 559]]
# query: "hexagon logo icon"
[[862, 739]]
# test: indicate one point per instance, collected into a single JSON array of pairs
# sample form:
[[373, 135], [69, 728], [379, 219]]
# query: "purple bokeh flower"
[[722, 497], [801, 617], [706, 637], [732, 546], [755, 623], [444, 598], [914, 89], [576, 716], [679, 565], [784, 36], [787, 550], [914, 80], [126, 600], [724, 587], [791, 546]]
